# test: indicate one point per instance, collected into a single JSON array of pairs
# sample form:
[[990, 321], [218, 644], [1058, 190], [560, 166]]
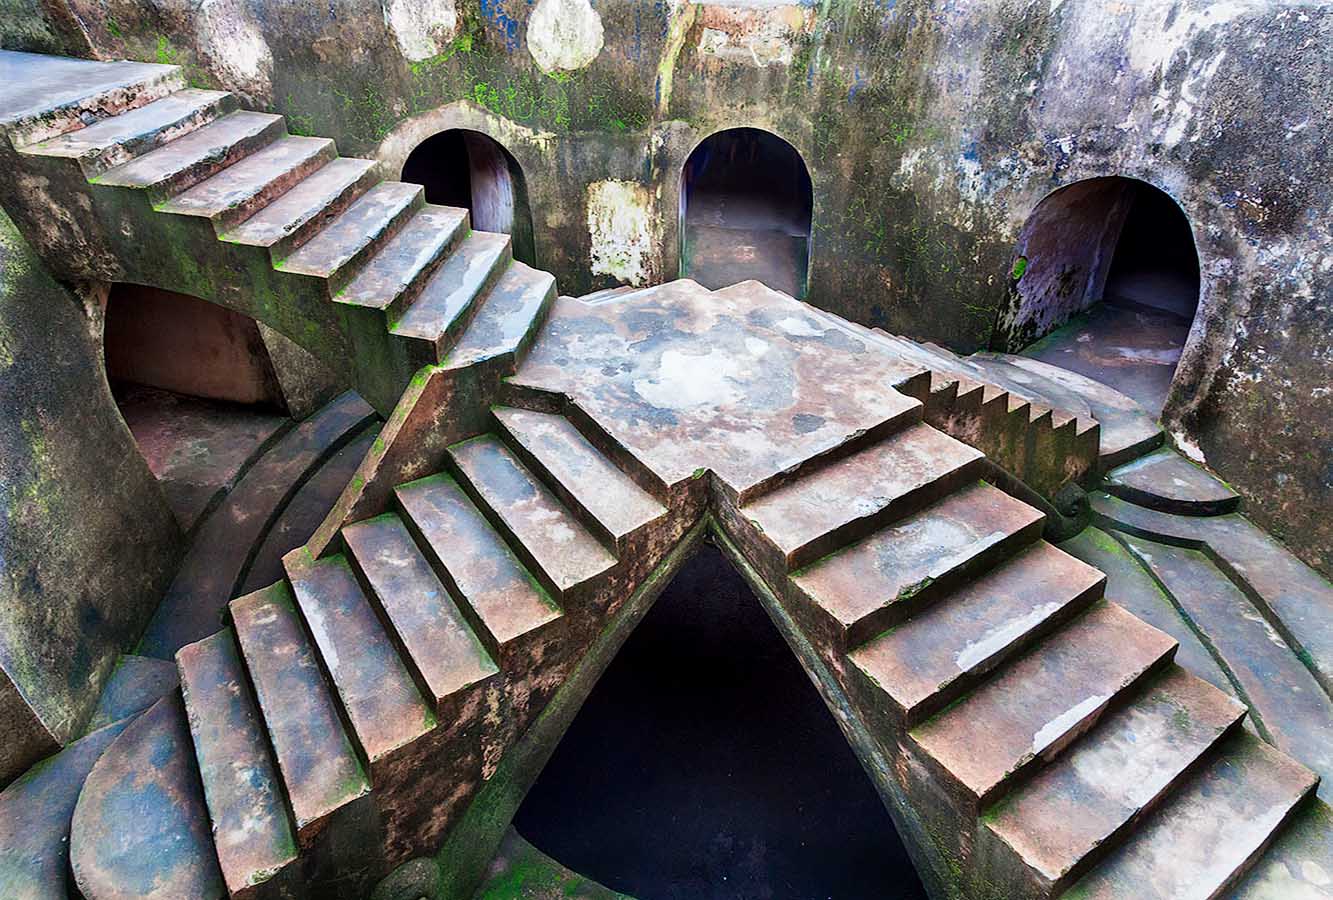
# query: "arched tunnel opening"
[[746, 203], [468, 169], [1115, 259], [704, 764]]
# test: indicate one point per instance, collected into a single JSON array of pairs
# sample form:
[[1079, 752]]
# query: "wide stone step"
[[1205, 838], [293, 218], [880, 581], [1031, 710], [241, 189], [188, 160], [1298, 863], [345, 243], [509, 607], [609, 502], [447, 303], [392, 279], [1166, 481], [117, 140], [1072, 813], [255, 840], [319, 766], [509, 319], [379, 694], [136, 684], [815, 515], [447, 658], [928, 661], [141, 828], [548, 537]]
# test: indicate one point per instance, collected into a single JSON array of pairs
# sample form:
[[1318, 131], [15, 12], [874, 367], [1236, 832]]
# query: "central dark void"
[[705, 765]]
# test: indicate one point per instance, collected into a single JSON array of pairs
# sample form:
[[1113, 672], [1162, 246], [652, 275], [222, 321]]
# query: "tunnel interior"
[[745, 211], [468, 169], [1107, 272], [704, 764]]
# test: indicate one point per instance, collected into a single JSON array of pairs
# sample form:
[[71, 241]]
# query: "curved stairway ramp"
[[180, 189]]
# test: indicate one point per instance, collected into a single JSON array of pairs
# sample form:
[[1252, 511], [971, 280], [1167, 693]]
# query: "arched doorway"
[[466, 168], [745, 211], [1105, 282]]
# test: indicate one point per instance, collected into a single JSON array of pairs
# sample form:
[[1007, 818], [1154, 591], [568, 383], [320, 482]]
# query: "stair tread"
[[251, 830], [1205, 837], [1132, 757], [895, 563], [968, 631], [1167, 481], [453, 287], [140, 828], [446, 652], [870, 482], [1034, 706], [351, 232], [302, 204], [386, 710], [172, 111], [488, 575], [203, 145], [597, 484], [136, 684], [404, 257], [512, 309], [272, 169], [564, 550], [1298, 863], [318, 763]]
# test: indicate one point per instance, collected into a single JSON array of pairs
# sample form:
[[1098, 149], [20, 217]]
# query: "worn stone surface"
[[314, 202], [135, 684], [452, 296], [363, 227], [405, 260], [1299, 863], [1168, 482]]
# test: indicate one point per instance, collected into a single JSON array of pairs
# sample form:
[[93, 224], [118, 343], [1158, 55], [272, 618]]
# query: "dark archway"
[[1106, 279], [745, 210], [704, 764], [460, 167]]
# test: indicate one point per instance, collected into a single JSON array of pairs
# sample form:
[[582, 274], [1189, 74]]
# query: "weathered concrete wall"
[[931, 130], [87, 542]]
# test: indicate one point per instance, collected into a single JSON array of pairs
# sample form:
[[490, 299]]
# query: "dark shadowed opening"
[[466, 168], [745, 210], [705, 765], [1107, 276]]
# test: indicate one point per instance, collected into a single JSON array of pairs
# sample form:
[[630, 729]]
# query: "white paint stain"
[[685, 381], [1060, 727], [621, 226], [982, 650], [422, 28], [798, 327], [235, 49], [564, 35]]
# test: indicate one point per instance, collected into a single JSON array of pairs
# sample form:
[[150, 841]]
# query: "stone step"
[[509, 319], [117, 140], [508, 606], [254, 837], [1298, 863], [883, 579], [1035, 707], [140, 828], [1168, 482], [447, 658], [295, 217], [319, 766], [136, 684], [1207, 835], [379, 695], [243, 188], [933, 658], [345, 243], [1075, 811], [842, 502], [398, 273], [453, 295], [607, 500], [549, 539], [188, 160]]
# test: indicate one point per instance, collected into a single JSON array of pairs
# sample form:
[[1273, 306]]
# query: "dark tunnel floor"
[[705, 765]]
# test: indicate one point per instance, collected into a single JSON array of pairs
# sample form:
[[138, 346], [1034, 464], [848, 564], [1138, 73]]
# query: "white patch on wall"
[[621, 229], [422, 28], [235, 50], [564, 35]]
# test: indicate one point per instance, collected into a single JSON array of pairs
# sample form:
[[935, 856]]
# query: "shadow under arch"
[[466, 168], [1105, 281], [746, 206]]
